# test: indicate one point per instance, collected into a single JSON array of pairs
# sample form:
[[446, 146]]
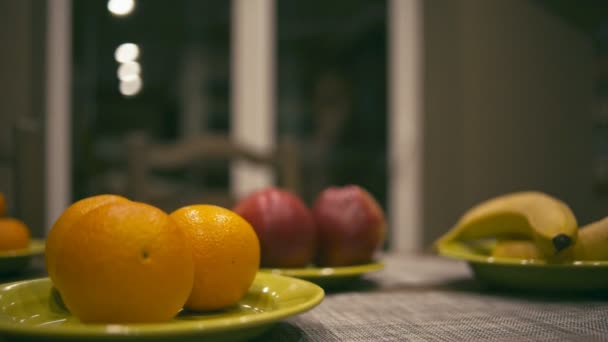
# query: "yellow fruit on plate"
[[124, 262], [226, 255], [65, 222], [591, 245], [14, 234], [518, 249], [592, 241], [532, 215]]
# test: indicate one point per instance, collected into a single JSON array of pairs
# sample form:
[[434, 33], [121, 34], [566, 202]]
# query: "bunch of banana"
[[592, 241], [519, 249], [592, 244], [535, 216]]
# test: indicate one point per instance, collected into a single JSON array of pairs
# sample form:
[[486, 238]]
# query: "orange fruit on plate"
[[124, 262], [14, 234], [65, 222], [226, 254]]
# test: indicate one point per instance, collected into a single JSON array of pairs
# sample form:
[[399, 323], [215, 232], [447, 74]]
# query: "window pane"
[[332, 90], [161, 69]]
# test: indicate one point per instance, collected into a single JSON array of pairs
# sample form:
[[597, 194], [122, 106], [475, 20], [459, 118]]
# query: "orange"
[[65, 222], [124, 262], [14, 234], [2, 204], [226, 255]]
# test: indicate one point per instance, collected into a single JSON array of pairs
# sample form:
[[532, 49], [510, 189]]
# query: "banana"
[[592, 241], [519, 249], [534, 215], [592, 244]]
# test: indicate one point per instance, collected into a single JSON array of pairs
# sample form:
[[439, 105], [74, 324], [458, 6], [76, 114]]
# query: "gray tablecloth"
[[427, 298]]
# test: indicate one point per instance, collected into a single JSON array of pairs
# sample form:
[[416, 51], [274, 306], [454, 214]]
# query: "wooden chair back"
[[146, 157]]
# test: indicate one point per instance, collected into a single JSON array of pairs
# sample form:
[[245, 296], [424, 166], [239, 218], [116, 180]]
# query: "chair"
[[147, 160]]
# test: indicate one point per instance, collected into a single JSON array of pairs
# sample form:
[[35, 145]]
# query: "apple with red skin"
[[284, 225], [351, 226]]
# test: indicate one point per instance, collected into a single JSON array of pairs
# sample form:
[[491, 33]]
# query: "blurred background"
[[431, 106]]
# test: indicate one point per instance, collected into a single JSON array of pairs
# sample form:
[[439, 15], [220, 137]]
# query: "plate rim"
[[36, 246], [444, 249], [327, 272], [165, 329]]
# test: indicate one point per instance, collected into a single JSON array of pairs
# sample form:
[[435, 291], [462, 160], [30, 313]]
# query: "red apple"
[[284, 225], [350, 224]]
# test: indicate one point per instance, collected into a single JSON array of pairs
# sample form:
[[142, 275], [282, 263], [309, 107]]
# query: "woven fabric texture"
[[435, 299]]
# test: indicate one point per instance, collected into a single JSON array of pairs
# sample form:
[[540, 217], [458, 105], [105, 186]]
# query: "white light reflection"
[[130, 87], [327, 271], [57, 321], [128, 71], [10, 287], [126, 52], [116, 329], [121, 7]]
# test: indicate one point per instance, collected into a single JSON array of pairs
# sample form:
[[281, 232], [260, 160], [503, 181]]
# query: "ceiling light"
[[129, 70], [126, 52], [131, 87], [121, 7]]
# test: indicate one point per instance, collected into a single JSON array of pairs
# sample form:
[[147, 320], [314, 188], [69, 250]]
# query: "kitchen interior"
[[513, 97], [366, 162]]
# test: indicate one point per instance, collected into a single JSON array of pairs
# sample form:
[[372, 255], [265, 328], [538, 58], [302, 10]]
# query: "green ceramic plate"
[[327, 276], [520, 274], [17, 260], [30, 310]]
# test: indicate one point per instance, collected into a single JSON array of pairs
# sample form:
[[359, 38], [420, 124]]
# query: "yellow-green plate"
[[30, 310], [521, 274], [17, 260], [328, 276]]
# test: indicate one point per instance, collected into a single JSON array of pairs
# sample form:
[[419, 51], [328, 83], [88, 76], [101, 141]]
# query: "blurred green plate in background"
[[17, 260], [30, 310], [521, 274], [328, 276]]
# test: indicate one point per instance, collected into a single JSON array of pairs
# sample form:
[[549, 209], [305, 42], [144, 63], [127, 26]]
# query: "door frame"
[[58, 137]]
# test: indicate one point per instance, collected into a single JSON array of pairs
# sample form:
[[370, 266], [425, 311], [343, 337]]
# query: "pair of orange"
[[118, 261], [14, 233]]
